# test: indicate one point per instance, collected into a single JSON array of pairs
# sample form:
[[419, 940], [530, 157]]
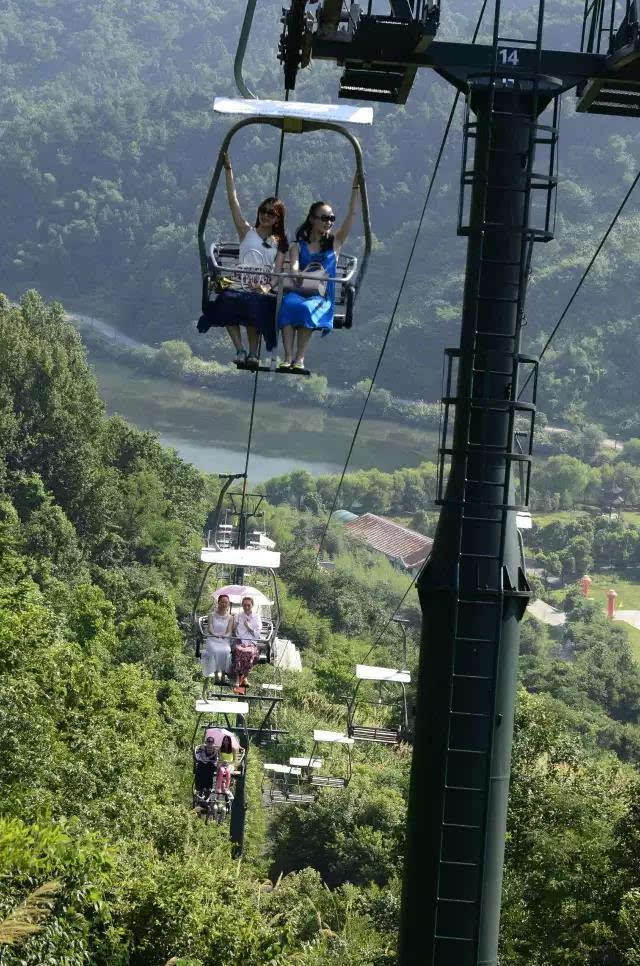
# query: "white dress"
[[216, 651], [254, 250]]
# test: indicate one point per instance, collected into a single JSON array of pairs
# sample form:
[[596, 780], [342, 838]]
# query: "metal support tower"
[[474, 591], [239, 806]]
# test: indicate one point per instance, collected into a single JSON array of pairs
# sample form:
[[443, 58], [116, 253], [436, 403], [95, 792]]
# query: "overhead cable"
[[584, 275]]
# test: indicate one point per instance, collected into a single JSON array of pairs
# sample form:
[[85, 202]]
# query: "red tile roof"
[[396, 542]]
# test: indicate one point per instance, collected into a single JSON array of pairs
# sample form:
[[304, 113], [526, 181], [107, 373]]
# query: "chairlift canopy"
[[249, 557], [332, 736], [296, 110], [282, 769], [365, 672], [222, 707], [306, 762], [524, 520]]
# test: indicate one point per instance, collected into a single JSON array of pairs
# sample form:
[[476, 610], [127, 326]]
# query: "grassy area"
[[634, 637], [627, 589]]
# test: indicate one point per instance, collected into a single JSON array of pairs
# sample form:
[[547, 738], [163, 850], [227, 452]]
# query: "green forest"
[[102, 858], [109, 139]]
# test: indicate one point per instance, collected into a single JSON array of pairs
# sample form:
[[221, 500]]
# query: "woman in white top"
[[249, 302], [216, 650], [247, 629]]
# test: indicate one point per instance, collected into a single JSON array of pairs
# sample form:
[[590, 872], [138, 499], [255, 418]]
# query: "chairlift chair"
[[220, 259], [258, 564], [303, 792], [215, 806], [336, 738], [387, 733], [279, 778]]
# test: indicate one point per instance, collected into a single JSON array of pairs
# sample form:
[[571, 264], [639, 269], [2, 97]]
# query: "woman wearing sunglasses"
[[315, 247], [263, 247]]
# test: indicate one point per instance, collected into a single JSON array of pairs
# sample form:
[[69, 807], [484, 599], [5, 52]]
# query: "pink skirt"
[[244, 654]]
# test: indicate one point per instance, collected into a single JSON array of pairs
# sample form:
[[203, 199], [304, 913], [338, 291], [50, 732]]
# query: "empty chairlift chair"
[[303, 792], [280, 778], [335, 738], [391, 707]]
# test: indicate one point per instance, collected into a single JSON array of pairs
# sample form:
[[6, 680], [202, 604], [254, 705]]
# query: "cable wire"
[[584, 275]]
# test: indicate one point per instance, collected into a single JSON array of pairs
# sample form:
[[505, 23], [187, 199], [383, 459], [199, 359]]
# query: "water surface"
[[210, 430]]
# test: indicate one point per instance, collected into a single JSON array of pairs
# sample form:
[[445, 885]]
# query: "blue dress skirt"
[[235, 307], [315, 311]]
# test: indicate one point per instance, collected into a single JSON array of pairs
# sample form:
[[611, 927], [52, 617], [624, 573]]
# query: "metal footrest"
[[383, 736]]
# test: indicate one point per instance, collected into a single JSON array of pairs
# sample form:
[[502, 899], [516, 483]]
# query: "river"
[[210, 430]]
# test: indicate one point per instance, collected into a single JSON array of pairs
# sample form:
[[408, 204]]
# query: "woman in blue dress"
[[316, 246]]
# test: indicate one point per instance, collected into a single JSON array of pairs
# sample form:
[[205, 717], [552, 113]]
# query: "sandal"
[[241, 356], [252, 362]]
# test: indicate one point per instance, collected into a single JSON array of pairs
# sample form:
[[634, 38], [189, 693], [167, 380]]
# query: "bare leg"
[[236, 338], [254, 340], [287, 341], [303, 341]]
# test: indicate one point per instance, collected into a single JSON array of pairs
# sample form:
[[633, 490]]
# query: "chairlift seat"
[[325, 781], [301, 798], [261, 559], [271, 687], [382, 736]]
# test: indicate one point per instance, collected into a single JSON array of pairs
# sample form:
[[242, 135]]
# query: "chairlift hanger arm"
[[238, 63], [304, 127]]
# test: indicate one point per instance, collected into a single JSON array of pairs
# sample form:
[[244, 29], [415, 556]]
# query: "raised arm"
[[345, 227], [242, 225], [294, 257]]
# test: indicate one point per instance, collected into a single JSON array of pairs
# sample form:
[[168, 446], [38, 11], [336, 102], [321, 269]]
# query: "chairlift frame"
[[346, 287], [331, 737], [217, 806], [199, 620], [379, 734]]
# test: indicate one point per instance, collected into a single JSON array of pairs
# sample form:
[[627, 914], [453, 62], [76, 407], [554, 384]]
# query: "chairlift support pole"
[[238, 817], [473, 591]]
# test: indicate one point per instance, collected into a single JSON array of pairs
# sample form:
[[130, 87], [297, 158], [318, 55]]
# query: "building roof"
[[399, 543]]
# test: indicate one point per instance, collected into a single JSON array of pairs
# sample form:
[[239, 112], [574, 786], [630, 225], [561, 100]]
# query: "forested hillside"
[[102, 858], [108, 141]]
